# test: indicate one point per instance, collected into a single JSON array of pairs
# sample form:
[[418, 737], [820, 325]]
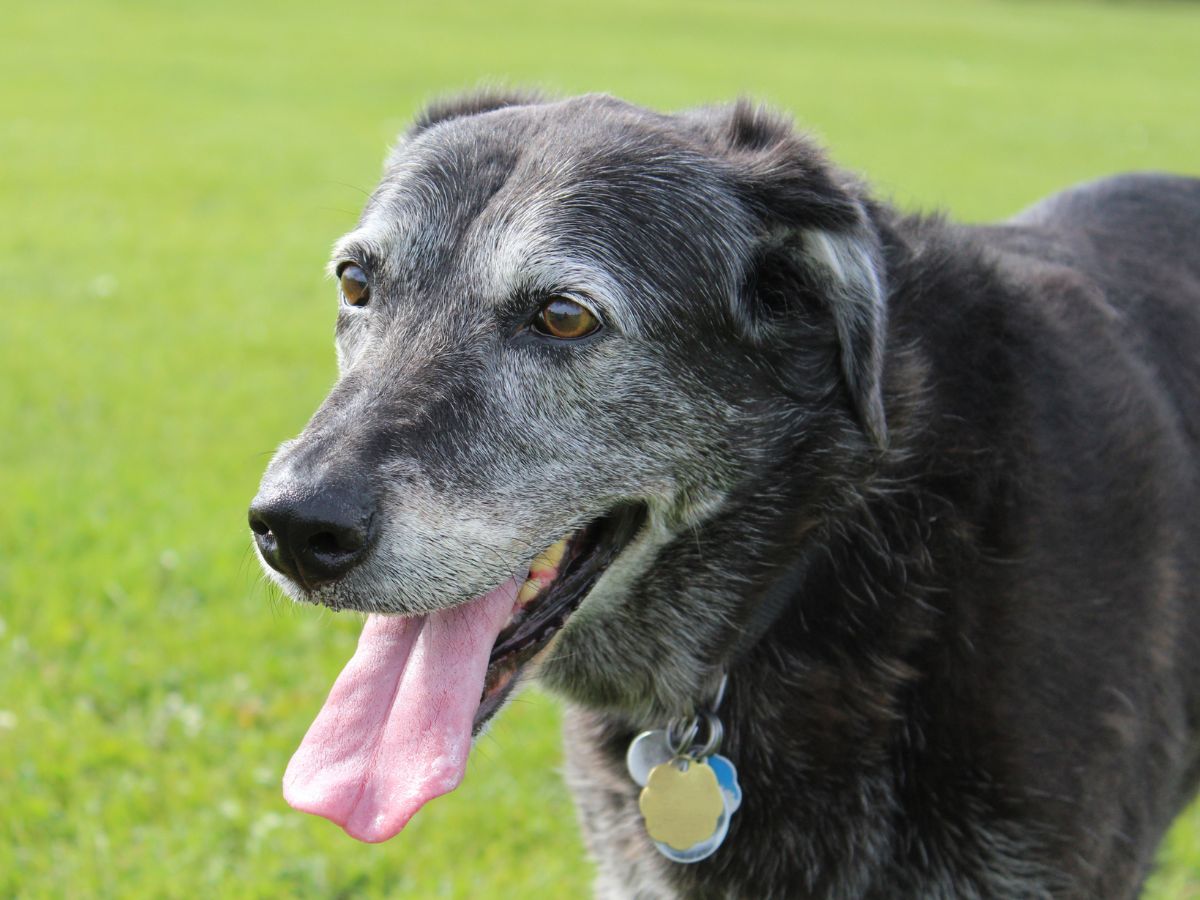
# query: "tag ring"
[[716, 731], [681, 733]]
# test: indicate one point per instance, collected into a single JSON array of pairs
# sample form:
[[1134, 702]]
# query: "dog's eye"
[[563, 318], [355, 286]]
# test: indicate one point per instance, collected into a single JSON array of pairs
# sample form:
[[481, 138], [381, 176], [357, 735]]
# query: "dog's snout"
[[313, 537]]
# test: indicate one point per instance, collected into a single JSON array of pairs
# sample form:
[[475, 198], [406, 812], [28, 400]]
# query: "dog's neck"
[[825, 717]]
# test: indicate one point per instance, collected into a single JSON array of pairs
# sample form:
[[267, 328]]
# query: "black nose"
[[313, 536]]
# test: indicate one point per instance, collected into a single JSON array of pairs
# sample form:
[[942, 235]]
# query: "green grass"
[[171, 175]]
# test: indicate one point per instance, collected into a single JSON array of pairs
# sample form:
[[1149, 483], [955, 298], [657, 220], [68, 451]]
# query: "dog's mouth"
[[397, 727], [559, 578]]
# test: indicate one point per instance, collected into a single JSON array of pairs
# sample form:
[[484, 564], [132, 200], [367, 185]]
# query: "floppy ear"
[[817, 239], [850, 264]]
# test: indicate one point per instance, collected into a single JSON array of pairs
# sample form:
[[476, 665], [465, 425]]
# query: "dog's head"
[[577, 342]]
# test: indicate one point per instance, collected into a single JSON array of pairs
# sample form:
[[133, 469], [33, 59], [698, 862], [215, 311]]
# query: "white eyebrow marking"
[[521, 257], [374, 236]]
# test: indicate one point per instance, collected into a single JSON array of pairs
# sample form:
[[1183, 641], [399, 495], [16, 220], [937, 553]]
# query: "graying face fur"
[[481, 442]]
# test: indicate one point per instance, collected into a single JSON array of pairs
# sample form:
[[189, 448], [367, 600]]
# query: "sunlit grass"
[[170, 178]]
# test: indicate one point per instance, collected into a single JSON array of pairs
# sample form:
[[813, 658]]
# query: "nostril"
[[337, 542], [325, 544], [259, 526]]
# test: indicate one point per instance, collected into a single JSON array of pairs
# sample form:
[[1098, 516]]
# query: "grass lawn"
[[171, 175]]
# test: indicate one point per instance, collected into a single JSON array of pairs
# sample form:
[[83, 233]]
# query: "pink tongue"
[[396, 729]]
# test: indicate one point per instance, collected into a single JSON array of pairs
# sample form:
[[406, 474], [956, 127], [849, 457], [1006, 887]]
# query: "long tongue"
[[396, 729]]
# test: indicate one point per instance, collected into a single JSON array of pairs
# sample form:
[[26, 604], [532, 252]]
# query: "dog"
[[646, 406]]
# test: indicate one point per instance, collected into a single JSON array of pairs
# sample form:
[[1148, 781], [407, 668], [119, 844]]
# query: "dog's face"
[[540, 297], [560, 327]]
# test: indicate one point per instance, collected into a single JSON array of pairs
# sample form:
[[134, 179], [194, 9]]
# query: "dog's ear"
[[848, 265], [469, 104], [817, 239]]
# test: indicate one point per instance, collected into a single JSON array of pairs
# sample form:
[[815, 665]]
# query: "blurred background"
[[171, 177]]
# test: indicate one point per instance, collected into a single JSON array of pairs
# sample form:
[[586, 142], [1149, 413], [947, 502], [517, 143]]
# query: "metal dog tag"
[[702, 850], [682, 803], [689, 792], [731, 793], [647, 750], [727, 778]]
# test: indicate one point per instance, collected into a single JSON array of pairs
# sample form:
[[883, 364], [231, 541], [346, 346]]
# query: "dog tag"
[[727, 778], [731, 792], [682, 803], [647, 750], [702, 850]]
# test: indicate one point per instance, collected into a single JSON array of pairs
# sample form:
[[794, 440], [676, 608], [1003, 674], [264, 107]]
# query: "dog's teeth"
[[542, 571], [529, 590], [547, 561]]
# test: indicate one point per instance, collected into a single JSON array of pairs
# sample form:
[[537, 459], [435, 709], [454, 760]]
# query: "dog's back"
[[1137, 236]]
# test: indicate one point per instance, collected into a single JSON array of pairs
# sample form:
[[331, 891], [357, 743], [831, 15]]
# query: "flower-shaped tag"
[[682, 806]]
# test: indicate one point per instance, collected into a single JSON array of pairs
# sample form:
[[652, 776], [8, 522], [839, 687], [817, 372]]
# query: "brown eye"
[[355, 287], [563, 318]]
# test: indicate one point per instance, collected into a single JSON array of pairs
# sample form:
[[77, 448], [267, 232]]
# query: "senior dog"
[[648, 404]]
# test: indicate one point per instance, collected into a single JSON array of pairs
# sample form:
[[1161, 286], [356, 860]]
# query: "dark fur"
[[988, 681]]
